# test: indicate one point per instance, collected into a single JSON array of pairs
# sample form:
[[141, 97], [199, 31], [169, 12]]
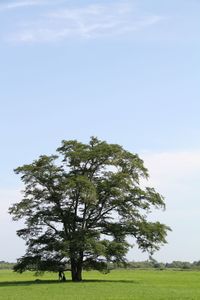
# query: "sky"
[[124, 71]]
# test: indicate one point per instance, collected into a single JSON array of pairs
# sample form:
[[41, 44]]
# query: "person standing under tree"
[[61, 276]]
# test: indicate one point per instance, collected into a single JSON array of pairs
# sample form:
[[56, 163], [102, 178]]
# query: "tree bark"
[[76, 270]]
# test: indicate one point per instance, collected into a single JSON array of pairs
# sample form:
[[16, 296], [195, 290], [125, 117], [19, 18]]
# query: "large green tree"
[[80, 205]]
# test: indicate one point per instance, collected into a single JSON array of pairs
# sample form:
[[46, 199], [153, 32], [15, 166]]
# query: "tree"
[[80, 205]]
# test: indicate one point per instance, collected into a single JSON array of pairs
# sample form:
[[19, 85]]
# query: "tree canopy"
[[80, 205]]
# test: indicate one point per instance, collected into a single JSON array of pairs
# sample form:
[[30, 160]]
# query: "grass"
[[118, 285]]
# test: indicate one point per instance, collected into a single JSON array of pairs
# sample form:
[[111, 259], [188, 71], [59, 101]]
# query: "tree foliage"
[[80, 205]]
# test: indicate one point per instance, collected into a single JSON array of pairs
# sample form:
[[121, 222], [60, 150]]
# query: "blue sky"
[[125, 71]]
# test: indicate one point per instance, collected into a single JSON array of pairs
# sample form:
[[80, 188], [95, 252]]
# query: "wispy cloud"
[[84, 22], [20, 4]]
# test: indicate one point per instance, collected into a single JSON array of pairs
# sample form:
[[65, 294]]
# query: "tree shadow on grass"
[[110, 280], [39, 282], [27, 282]]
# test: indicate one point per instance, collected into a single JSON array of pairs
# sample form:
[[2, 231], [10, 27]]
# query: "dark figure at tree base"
[[61, 276]]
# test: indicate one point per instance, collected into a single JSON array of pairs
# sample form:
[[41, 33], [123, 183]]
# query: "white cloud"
[[13, 246], [85, 22], [7, 198], [176, 175], [183, 165]]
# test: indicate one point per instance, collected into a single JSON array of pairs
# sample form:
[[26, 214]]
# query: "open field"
[[120, 284]]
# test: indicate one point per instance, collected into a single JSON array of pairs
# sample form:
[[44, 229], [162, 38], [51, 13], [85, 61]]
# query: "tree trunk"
[[76, 270]]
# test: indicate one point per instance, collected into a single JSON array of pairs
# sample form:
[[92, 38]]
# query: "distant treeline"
[[6, 265], [152, 263], [147, 264]]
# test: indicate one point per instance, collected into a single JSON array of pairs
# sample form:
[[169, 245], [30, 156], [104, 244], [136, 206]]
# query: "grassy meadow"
[[119, 284]]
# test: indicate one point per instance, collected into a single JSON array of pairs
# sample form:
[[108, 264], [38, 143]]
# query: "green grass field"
[[120, 284]]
